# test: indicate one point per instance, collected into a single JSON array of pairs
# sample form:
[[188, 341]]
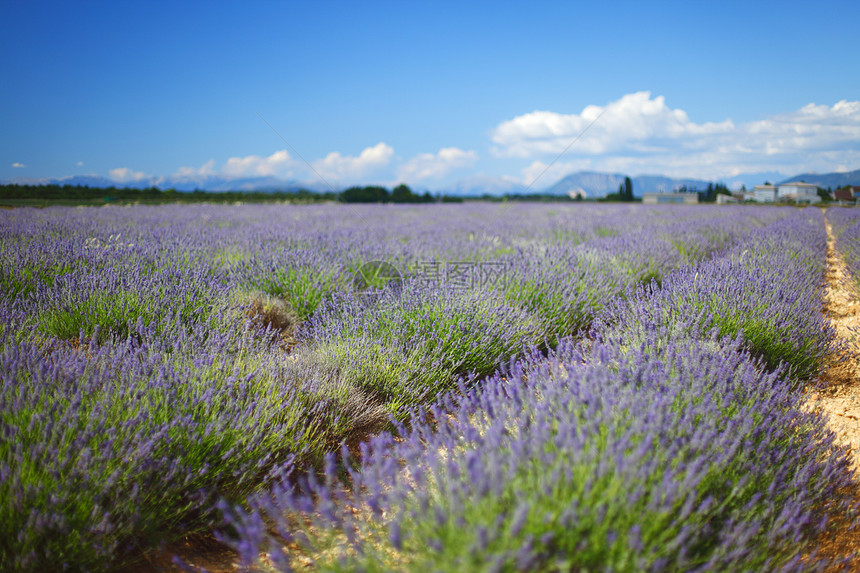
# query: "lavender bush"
[[767, 289], [845, 224], [146, 370], [664, 445], [109, 450], [411, 345], [671, 457]]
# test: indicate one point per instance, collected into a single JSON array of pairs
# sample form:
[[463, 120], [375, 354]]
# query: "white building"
[[799, 192], [681, 198], [764, 193]]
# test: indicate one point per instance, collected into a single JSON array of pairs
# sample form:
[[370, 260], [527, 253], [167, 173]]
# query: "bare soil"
[[197, 552], [838, 395]]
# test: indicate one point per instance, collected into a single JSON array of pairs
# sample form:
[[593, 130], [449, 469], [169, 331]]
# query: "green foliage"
[[625, 192], [578, 508], [15, 283], [562, 308], [15, 194], [202, 434], [376, 194], [100, 314], [302, 288], [376, 274], [370, 194], [406, 352], [104, 315]]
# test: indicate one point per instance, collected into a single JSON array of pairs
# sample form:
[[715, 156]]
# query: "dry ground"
[[839, 394], [198, 552]]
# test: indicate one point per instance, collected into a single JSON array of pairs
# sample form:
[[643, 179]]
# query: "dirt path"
[[198, 552], [839, 395]]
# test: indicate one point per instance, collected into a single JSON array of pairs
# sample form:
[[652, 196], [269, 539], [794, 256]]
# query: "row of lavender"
[[845, 224], [139, 383], [676, 440]]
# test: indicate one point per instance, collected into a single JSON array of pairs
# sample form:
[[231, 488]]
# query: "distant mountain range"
[[825, 180], [590, 183], [596, 184], [485, 185]]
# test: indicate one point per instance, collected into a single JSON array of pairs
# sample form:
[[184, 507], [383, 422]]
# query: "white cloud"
[[641, 134], [80, 163], [282, 165], [337, 167], [434, 166], [635, 122], [811, 128], [126, 175], [17, 165], [278, 165], [207, 168]]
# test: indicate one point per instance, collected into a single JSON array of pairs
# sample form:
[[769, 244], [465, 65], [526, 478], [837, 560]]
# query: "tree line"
[[86, 194], [625, 192], [53, 193], [83, 194], [43, 194], [377, 194]]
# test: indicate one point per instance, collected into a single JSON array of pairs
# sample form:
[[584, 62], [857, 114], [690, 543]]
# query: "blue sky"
[[427, 93]]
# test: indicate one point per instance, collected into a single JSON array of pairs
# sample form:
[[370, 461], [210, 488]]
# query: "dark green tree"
[[627, 194], [370, 194], [403, 194]]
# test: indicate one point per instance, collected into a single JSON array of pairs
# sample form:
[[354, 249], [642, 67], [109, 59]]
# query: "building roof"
[[799, 184]]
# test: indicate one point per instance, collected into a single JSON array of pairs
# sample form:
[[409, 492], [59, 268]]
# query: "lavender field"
[[479, 387]]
